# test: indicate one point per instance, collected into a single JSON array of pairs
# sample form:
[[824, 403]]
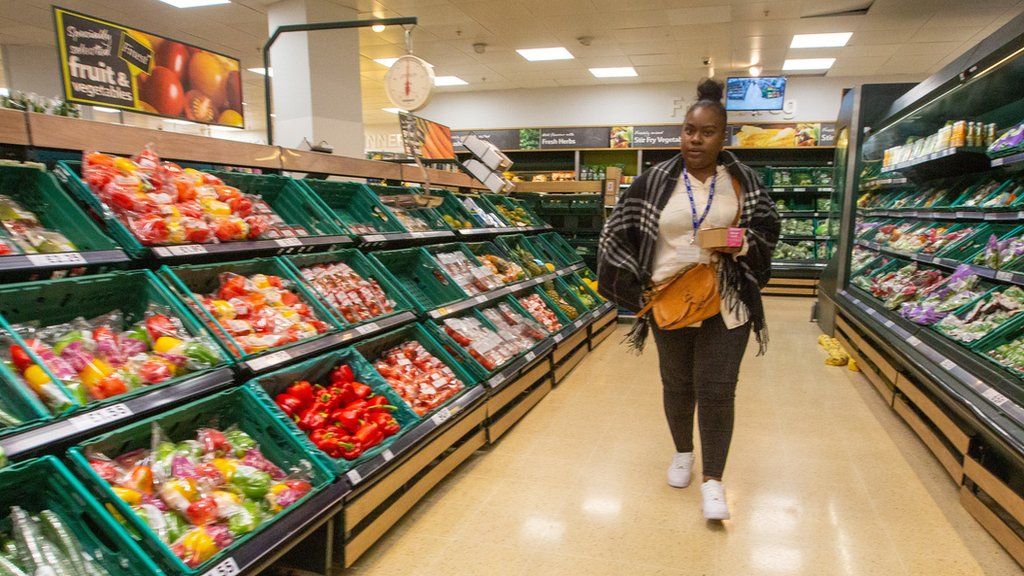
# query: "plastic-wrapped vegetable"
[[986, 315], [420, 378], [1000, 253], [44, 546], [357, 298], [940, 299]]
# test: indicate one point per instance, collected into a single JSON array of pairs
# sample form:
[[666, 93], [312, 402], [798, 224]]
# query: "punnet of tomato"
[[337, 406]]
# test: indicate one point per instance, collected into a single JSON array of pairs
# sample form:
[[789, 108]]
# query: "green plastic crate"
[[965, 309], [289, 199], [969, 247], [513, 244], [480, 249], [488, 215], [187, 280], [317, 371], [970, 197], [46, 484], [567, 294], [432, 218], [572, 280], [354, 206], [423, 280], [373, 348], [950, 227], [16, 399], [451, 208], [39, 192], [566, 251], [507, 203], [363, 266], [238, 407], [51, 302], [1004, 334], [559, 313], [435, 249], [540, 247]]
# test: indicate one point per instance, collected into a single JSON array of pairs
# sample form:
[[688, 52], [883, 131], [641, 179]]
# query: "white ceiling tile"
[[894, 36], [634, 35], [910, 63], [942, 34], [699, 15], [549, 9], [654, 59], [638, 48], [868, 50], [778, 10]]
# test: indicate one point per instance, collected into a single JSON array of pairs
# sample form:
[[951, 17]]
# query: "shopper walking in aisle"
[[701, 303]]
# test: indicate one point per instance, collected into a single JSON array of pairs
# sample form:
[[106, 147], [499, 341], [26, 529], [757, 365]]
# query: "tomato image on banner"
[[108, 64]]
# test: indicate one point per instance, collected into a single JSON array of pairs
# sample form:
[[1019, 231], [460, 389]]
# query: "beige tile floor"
[[823, 479]]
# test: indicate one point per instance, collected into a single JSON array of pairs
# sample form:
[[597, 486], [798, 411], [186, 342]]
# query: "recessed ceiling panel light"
[[541, 54], [808, 64], [195, 3], [378, 27], [393, 110], [833, 40], [261, 71], [449, 81], [385, 62], [622, 72]]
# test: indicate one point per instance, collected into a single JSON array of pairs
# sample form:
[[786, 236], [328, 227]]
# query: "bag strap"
[[737, 187]]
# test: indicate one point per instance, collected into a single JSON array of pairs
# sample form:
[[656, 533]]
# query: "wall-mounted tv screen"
[[751, 94]]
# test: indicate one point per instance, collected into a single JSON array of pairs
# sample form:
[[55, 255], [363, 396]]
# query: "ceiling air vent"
[[838, 8]]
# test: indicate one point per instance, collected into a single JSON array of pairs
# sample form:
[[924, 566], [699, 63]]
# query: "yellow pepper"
[[227, 467], [224, 310], [130, 496], [215, 207], [198, 546], [271, 496], [549, 266], [260, 281], [125, 165], [94, 372], [36, 377], [166, 344], [175, 231]]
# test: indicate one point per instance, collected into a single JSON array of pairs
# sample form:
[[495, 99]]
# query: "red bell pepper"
[[387, 423], [312, 419], [369, 435], [361, 390], [342, 374], [288, 404], [379, 402], [347, 419], [302, 390]]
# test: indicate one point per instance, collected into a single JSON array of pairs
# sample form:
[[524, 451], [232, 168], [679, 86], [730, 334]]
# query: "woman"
[[651, 238]]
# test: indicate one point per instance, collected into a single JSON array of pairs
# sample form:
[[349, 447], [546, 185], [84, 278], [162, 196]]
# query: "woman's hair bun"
[[709, 89]]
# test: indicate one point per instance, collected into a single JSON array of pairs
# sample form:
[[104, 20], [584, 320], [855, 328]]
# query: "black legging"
[[699, 368]]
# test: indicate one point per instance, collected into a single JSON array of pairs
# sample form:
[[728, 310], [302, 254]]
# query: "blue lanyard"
[[693, 204]]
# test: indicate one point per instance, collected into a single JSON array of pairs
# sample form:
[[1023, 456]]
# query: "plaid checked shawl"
[[626, 248]]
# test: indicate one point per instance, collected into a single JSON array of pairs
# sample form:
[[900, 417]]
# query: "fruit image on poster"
[[107, 64]]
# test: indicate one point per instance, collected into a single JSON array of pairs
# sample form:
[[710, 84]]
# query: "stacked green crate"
[[417, 273], [354, 206], [400, 202]]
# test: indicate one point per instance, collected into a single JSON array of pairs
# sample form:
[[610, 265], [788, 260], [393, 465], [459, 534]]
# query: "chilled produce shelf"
[[802, 214], [1011, 160], [1008, 276], [801, 189], [401, 239], [944, 162], [480, 232], [965, 215]]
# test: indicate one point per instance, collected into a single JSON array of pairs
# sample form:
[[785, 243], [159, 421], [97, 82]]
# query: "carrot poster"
[[425, 139]]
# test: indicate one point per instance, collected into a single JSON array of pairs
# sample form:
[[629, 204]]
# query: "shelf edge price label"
[[1004, 276], [441, 417], [948, 364], [354, 477], [269, 360], [227, 567], [497, 379], [913, 341], [186, 250], [288, 242], [373, 238], [388, 455], [100, 416], [367, 328], [44, 260], [530, 356], [480, 299], [995, 397]]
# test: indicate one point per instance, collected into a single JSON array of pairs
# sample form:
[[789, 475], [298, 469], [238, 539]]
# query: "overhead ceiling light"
[[386, 62], [378, 27], [261, 71], [194, 3], [833, 40], [393, 110], [5, 92], [808, 64], [449, 81], [755, 71], [621, 72], [541, 54], [105, 109]]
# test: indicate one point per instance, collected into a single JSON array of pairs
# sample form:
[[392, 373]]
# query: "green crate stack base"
[[46, 484], [40, 192], [238, 407], [354, 206], [293, 203], [373, 348], [363, 266], [317, 371], [188, 279], [48, 303], [424, 281]]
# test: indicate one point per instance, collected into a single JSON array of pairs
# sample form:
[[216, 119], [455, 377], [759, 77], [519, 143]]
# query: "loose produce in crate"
[[343, 418], [581, 292], [798, 251], [411, 221], [423, 381], [1010, 354], [797, 227], [537, 308], [999, 253], [261, 311], [357, 298], [43, 545], [505, 270], [985, 316], [861, 256], [470, 277], [486, 218], [568, 309], [108, 356], [938, 300], [513, 326], [902, 285], [533, 265], [931, 240], [485, 345], [1005, 198], [161, 203], [976, 195], [25, 234], [515, 216], [200, 494]]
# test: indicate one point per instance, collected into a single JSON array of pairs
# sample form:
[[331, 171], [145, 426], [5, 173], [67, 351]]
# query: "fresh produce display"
[[568, 309], [585, 297], [468, 275], [823, 205], [938, 300], [537, 308], [261, 312], [200, 494], [21, 232], [533, 265], [457, 224], [485, 217], [43, 545], [861, 256], [504, 269], [357, 298], [794, 251], [1010, 142], [797, 227], [984, 317], [998, 254], [976, 195], [161, 203], [1010, 354], [485, 345], [781, 177], [929, 240], [419, 377], [107, 356], [343, 418], [902, 285], [513, 326], [515, 216], [1006, 196], [955, 134], [409, 219]]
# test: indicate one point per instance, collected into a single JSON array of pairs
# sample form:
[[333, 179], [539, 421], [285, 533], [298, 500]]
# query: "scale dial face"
[[409, 83]]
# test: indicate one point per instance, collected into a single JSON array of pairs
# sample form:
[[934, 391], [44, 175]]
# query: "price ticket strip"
[[474, 301], [1001, 417], [949, 264], [92, 421], [275, 247], [63, 260], [372, 241]]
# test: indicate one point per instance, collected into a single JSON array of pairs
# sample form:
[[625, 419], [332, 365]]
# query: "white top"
[[677, 250]]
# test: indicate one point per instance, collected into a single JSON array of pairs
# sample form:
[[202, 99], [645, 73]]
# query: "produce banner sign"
[[107, 64], [669, 136], [553, 138], [425, 139], [503, 139], [780, 135]]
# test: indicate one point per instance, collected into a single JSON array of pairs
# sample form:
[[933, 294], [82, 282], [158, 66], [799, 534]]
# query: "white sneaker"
[[681, 469], [715, 507]]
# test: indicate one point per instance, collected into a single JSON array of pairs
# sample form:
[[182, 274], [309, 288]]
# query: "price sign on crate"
[[441, 417], [99, 417], [47, 260], [226, 567]]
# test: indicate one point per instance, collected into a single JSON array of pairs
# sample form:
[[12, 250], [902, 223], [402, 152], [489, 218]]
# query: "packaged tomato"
[[150, 229]]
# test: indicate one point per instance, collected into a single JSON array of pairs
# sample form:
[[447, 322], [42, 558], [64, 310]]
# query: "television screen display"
[[755, 93]]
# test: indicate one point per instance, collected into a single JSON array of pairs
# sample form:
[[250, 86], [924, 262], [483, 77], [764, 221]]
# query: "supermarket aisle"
[[823, 479]]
